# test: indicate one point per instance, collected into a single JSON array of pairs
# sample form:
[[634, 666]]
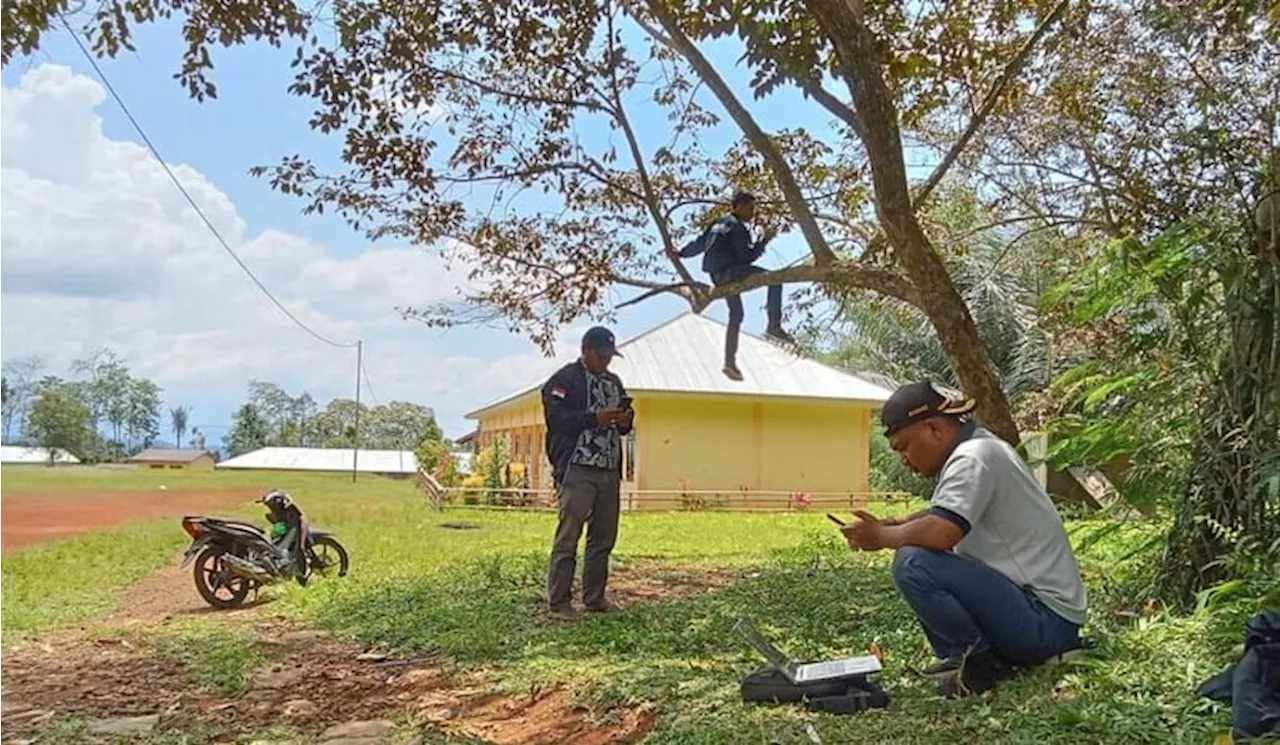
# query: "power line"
[[368, 385], [208, 224]]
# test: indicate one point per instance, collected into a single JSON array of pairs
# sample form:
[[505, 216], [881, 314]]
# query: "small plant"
[[471, 484], [688, 500], [446, 470], [491, 465]]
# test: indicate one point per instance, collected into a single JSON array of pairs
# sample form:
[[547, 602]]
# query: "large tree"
[[22, 378], [60, 420], [1163, 136], [400, 425], [511, 88], [249, 431], [142, 421]]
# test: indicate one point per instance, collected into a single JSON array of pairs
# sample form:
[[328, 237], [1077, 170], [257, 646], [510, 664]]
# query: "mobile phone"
[[835, 519]]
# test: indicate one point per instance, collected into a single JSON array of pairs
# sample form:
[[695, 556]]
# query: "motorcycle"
[[234, 558]]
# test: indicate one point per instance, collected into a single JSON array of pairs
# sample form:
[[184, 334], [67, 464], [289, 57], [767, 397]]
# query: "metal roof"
[[324, 459], [686, 354], [167, 455], [18, 454]]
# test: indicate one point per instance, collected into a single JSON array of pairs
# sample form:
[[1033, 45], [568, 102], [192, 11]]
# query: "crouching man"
[[987, 568]]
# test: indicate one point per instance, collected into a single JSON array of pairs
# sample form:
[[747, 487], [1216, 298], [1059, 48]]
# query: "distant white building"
[[336, 460], [15, 455]]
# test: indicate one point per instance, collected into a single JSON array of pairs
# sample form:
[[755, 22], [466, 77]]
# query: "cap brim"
[[960, 407]]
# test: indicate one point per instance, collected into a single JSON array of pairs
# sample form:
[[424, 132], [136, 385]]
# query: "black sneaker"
[[778, 334], [978, 673], [943, 669]]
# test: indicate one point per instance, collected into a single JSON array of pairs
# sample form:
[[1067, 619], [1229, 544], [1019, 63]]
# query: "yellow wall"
[[521, 422], [771, 445], [203, 463], [721, 443]]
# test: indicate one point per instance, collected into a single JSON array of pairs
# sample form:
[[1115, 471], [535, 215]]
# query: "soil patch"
[[650, 583], [31, 518], [313, 683], [543, 717], [171, 593]]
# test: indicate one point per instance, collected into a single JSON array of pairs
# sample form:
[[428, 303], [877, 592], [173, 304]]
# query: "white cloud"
[[100, 248]]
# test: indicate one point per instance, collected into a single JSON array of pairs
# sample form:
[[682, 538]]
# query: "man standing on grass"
[[587, 413], [987, 568]]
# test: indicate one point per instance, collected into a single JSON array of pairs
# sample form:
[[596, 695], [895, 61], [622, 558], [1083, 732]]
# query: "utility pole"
[[355, 450]]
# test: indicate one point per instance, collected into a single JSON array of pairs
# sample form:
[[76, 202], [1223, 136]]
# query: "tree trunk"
[[1229, 505], [958, 333], [859, 66]]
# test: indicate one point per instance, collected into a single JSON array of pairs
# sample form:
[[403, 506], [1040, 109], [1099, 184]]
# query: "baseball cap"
[[600, 339], [916, 402]]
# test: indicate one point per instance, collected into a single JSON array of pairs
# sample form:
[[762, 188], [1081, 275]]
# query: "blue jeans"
[[965, 605]]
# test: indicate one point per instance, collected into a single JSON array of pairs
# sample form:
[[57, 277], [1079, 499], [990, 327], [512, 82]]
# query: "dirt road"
[[30, 518]]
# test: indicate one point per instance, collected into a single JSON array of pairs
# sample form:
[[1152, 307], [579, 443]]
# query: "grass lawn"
[[90, 479], [472, 596]]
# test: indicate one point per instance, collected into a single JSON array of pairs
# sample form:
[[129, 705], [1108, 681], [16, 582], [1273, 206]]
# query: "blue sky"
[[201, 353]]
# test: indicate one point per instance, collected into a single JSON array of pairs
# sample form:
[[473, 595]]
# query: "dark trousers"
[[587, 496], [773, 307], [965, 605]]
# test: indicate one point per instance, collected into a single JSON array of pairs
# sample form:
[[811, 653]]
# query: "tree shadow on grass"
[[684, 655]]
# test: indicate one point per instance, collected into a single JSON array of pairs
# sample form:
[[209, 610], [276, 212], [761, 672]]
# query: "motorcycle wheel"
[[322, 562], [208, 569]]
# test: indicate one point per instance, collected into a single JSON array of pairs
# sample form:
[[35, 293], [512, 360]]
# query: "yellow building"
[[792, 429], [187, 460]]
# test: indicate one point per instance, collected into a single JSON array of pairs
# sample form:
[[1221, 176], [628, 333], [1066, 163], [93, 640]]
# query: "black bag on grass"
[[839, 696]]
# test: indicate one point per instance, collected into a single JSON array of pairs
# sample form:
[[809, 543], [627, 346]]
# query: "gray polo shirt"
[[1010, 525]]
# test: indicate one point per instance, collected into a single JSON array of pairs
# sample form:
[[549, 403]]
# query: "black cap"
[[600, 339], [916, 402], [743, 197]]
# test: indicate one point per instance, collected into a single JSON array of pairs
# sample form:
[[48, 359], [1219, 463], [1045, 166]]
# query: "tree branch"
[[781, 170], [832, 104], [650, 197], [525, 97], [992, 98], [846, 273]]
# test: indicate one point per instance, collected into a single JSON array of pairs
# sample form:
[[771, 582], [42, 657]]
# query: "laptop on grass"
[[805, 672]]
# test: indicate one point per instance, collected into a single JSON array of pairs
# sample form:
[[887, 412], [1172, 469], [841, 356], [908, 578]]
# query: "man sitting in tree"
[[729, 256], [987, 568]]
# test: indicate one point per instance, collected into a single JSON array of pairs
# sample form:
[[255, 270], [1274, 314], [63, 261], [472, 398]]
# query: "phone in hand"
[[835, 519]]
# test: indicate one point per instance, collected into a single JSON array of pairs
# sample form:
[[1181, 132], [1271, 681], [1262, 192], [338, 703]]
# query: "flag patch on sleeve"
[[559, 391]]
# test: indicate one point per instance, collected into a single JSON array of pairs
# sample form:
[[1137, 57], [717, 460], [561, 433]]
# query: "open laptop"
[[810, 671]]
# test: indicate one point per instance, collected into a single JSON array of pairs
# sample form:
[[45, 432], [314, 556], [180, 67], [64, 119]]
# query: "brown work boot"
[[605, 606], [732, 372], [565, 612]]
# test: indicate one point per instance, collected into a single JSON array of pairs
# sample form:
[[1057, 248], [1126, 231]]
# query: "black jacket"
[[564, 406], [729, 246]]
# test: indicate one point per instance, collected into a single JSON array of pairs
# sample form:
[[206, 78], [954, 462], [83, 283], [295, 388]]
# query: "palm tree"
[[178, 418], [1000, 278]]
